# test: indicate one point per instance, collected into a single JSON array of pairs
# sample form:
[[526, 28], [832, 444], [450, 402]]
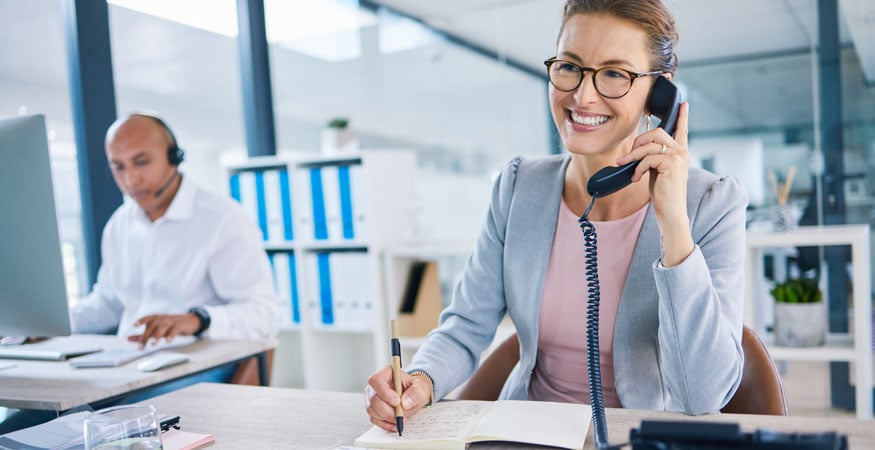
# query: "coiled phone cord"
[[593, 361]]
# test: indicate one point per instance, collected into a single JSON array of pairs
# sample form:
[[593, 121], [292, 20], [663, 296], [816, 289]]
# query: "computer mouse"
[[161, 360]]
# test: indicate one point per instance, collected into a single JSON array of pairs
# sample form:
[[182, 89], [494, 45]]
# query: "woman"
[[671, 243]]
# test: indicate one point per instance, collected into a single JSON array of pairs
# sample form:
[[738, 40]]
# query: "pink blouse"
[[560, 370]]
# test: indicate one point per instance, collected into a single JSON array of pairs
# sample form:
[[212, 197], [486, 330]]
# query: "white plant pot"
[[800, 324], [336, 141]]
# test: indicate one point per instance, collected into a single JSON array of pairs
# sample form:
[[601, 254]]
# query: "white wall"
[[739, 157]]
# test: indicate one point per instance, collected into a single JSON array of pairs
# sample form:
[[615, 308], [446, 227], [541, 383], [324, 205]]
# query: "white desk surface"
[[276, 418], [55, 385]]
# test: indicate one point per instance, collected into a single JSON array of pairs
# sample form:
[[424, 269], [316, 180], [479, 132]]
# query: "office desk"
[[275, 418], [56, 386]]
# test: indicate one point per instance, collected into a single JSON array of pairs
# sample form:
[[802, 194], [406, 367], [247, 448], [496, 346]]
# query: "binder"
[[286, 199], [363, 291], [326, 299], [317, 198], [358, 201], [341, 289], [234, 182], [273, 206], [247, 194], [351, 294], [313, 308], [275, 266], [261, 207], [331, 199], [347, 220], [304, 203], [283, 265], [295, 297]]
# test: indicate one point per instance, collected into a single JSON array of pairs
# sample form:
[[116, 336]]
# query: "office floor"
[[806, 386]]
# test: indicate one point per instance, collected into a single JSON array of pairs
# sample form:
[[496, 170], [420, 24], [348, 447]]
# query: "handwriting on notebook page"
[[453, 420]]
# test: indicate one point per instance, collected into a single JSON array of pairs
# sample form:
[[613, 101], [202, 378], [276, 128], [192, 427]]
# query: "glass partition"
[[403, 85], [33, 80]]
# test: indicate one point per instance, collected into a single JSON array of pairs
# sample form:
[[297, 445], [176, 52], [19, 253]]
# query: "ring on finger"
[[663, 149], [369, 393]]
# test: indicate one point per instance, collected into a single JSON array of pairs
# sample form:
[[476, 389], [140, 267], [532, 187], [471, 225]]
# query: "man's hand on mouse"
[[165, 326]]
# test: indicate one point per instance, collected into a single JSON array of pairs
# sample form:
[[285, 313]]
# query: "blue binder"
[[320, 222], [286, 199], [346, 216], [296, 309], [262, 207], [325, 297], [235, 186]]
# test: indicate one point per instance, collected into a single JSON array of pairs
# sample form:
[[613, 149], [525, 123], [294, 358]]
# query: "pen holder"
[[128, 427], [785, 217]]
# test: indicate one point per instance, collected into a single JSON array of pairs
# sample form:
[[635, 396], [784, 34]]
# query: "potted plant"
[[338, 137], [800, 313]]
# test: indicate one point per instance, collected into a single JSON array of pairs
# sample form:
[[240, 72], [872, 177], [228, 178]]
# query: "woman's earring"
[[647, 122]]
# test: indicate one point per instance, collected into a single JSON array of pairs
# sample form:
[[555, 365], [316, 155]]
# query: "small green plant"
[[338, 123], [797, 290]]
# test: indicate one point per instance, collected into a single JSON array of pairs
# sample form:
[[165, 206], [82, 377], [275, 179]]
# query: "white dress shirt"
[[205, 251]]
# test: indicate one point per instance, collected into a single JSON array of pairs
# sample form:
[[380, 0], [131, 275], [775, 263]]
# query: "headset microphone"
[[167, 184]]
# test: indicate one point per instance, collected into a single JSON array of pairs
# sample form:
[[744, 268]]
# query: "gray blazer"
[[677, 337]]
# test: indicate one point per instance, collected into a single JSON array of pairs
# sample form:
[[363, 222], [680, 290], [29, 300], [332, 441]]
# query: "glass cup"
[[128, 427]]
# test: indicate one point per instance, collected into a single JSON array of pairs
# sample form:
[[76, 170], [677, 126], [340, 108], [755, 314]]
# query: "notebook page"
[[562, 425], [430, 427]]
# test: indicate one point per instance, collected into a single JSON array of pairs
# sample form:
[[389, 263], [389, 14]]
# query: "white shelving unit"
[[335, 344], [397, 260], [854, 347]]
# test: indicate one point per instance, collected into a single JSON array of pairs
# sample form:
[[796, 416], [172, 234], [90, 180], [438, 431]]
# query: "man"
[[177, 260]]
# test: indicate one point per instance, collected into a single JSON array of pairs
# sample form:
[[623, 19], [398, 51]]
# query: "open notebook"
[[125, 352], [454, 424]]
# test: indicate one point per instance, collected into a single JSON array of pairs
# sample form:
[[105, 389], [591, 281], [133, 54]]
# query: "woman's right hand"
[[381, 398]]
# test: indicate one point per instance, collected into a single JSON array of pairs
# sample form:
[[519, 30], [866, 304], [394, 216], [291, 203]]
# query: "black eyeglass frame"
[[632, 75]]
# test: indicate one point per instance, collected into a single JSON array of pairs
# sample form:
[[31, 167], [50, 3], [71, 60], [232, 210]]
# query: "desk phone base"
[[668, 435]]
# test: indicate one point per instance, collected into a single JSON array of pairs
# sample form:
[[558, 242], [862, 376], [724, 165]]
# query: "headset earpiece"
[[175, 155]]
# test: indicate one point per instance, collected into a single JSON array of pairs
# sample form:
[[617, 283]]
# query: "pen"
[[396, 375]]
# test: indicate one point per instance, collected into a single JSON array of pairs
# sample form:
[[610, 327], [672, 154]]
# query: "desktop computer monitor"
[[33, 297]]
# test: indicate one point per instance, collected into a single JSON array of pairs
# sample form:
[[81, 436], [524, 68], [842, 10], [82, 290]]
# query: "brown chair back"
[[760, 391], [247, 372]]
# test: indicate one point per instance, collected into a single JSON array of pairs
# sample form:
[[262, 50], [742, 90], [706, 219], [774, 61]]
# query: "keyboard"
[[54, 349], [123, 354]]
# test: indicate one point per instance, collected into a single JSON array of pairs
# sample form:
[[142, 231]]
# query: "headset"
[[175, 155]]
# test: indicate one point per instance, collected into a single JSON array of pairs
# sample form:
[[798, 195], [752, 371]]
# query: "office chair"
[[247, 372], [760, 391]]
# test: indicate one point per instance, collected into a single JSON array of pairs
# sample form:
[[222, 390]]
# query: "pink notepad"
[[185, 440]]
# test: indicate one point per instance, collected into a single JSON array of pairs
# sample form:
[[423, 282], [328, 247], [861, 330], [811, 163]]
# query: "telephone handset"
[[665, 101]]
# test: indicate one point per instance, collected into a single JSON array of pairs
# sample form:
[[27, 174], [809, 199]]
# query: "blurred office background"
[[772, 84]]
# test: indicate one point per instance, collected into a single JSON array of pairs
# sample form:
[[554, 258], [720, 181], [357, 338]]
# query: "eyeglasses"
[[610, 82]]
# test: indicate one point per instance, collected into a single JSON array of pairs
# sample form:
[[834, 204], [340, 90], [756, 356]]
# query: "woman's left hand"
[[667, 160]]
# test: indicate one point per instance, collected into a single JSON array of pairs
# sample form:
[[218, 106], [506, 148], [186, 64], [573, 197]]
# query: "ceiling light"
[[217, 16]]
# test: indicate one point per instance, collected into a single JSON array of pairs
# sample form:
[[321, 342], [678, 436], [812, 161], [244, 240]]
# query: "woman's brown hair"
[[651, 15]]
